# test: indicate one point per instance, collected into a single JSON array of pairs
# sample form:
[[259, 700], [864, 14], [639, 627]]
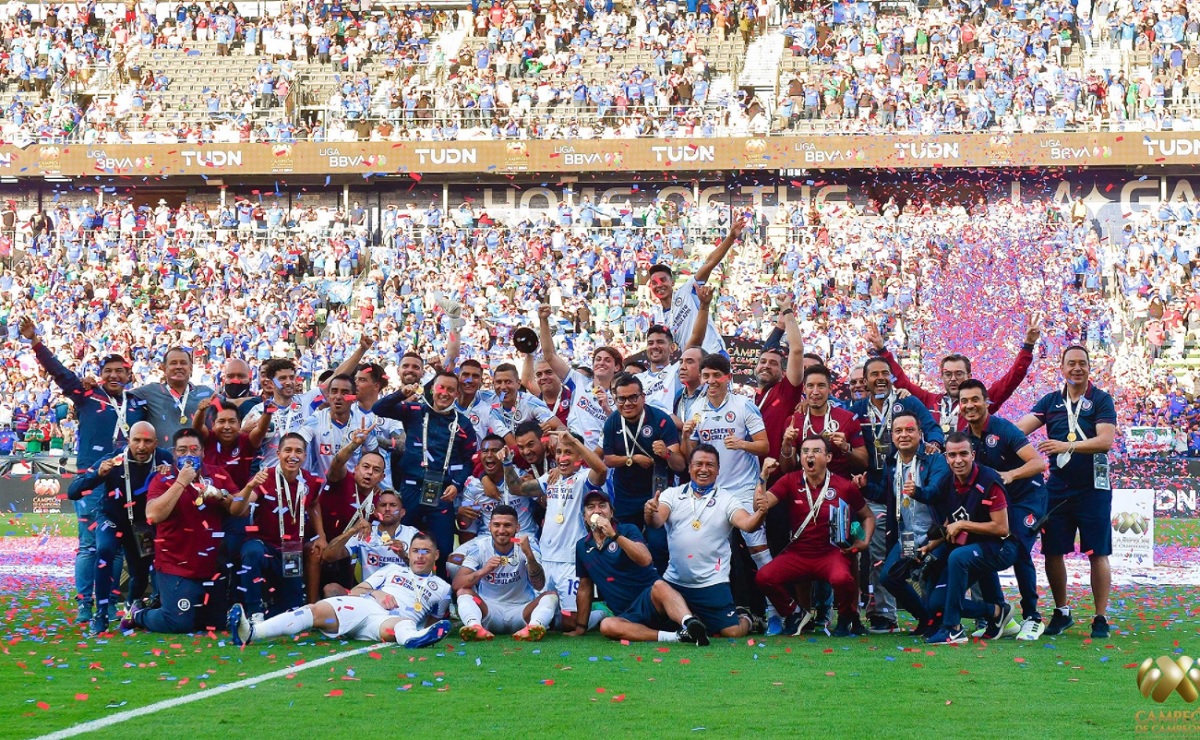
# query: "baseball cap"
[[601, 492]]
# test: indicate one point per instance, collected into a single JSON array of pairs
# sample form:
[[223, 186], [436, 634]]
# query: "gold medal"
[[199, 500], [696, 524], [385, 538], [629, 461], [1071, 437], [880, 444], [183, 420], [946, 427], [559, 518]]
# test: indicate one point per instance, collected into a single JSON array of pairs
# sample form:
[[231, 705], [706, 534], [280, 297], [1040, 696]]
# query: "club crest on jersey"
[[612, 546], [897, 408], [992, 440], [830, 495], [678, 301], [474, 418], [711, 503], [518, 414], [647, 431], [1086, 404], [730, 416], [1029, 521]]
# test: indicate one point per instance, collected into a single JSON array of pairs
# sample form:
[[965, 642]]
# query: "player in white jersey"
[[480, 496], [699, 517], [329, 429], [733, 425], [679, 307], [473, 400], [288, 408], [661, 383], [405, 603], [514, 405], [498, 581], [591, 398], [374, 541]]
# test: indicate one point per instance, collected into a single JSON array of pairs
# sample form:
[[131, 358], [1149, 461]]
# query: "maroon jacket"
[[998, 392]]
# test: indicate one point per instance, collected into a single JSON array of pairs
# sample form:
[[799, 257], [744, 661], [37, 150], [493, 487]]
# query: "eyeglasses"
[[959, 375], [621, 400]]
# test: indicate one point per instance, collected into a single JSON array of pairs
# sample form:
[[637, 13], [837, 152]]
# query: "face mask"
[[182, 461], [237, 390]]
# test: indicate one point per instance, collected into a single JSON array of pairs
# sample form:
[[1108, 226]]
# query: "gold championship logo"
[[1162, 677]]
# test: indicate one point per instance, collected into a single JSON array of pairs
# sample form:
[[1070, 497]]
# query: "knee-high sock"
[[291, 622], [761, 558], [405, 629], [543, 613], [468, 611]]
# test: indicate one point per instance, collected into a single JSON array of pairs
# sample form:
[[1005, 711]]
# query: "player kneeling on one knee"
[[614, 558], [405, 603], [498, 583]]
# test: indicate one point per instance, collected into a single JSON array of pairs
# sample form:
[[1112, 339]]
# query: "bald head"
[[235, 374], [142, 441]]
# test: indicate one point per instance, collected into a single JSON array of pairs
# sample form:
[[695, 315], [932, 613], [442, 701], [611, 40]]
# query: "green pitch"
[[51, 678]]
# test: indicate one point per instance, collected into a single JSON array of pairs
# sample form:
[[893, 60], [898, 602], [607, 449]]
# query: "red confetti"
[[335, 692]]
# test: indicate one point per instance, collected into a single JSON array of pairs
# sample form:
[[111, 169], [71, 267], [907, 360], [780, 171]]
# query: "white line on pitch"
[[157, 707]]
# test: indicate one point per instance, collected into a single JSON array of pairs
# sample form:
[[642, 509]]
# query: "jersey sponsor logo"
[[992, 440], [711, 435], [373, 560]]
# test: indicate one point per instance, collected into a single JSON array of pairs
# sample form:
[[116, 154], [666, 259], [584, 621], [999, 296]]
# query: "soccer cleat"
[[997, 627], [474, 633], [882, 625], [774, 626], [947, 636], [694, 631], [128, 622], [1031, 630], [530, 633], [240, 628], [98, 625], [1099, 627], [428, 636], [1059, 623]]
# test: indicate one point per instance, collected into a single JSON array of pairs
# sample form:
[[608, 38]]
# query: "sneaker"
[[128, 623], [774, 626], [793, 624], [529, 633], [85, 613], [947, 636], [1099, 627], [882, 625], [240, 628], [474, 633], [1059, 623], [996, 627], [694, 631], [1031, 630], [98, 625], [851, 627], [428, 636], [756, 622]]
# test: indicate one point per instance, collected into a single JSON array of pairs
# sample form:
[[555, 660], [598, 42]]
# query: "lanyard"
[[881, 420], [295, 504], [683, 409], [1074, 433], [948, 411], [812, 505], [631, 442], [122, 426], [128, 486], [911, 471], [761, 401], [697, 511], [426, 456], [827, 427], [180, 403]]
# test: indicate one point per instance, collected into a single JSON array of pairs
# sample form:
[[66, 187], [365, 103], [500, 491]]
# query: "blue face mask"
[[182, 461]]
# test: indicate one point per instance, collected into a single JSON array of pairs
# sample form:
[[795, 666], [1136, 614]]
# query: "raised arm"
[[1004, 387], [722, 249], [705, 294], [557, 363], [795, 358]]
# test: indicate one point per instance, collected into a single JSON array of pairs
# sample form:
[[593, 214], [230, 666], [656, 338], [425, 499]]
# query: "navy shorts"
[[713, 605], [1088, 513], [642, 612]]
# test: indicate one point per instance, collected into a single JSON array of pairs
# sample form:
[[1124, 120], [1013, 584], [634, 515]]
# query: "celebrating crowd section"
[[577, 70], [529, 422]]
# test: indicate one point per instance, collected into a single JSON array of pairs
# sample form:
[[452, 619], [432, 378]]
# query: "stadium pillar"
[[445, 197], [346, 197], [696, 193], [1162, 188]]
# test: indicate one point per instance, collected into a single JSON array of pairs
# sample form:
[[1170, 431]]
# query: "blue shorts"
[[713, 605], [1088, 512], [642, 612]]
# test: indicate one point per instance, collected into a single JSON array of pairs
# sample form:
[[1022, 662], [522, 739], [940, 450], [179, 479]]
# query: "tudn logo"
[[1163, 677]]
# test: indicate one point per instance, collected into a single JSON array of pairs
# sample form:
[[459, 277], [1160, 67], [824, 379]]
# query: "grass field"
[[52, 678]]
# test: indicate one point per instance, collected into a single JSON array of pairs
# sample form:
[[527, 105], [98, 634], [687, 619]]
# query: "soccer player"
[[1001, 446], [907, 476], [187, 507], [482, 495], [820, 417], [474, 400], [286, 406], [678, 307], [327, 430], [615, 561], [405, 603], [347, 499], [373, 541], [591, 401], [370, 380], [955, 369], [170, 405], [973, 508], [499, 581], [514, 405], [698, 540], [283, 505], [1081, 423]]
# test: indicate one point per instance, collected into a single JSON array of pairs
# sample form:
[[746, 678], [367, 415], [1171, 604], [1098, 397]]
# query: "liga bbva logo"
[[1160, 678]]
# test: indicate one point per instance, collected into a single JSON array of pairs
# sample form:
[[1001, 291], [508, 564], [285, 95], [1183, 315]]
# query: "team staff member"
[[877, 411], [1001, 446], [809, 495], [699, 517], [124, 477], [780, 381], [910, 477], [954, 370], [347, 499], [105, 413], [171, 405], [818, 416], [439, 444], [187, 507], [615, 561], [1081, 423], [974, 511]]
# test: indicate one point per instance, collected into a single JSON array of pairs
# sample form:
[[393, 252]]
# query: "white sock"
[[770, 611], [291, 622], [543, 613], [1065, 609], [405, 629], [686, 617], [668, 636], [761, 558], [595, 618], [468, 611]]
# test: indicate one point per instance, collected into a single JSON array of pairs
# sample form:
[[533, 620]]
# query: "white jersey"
[[389, 435], [681, 318], [563, 525], [736, 418], [373, 553], [479, 412], [325, 437], [661, 387], [503, 421], [417, 597], [587, 416], [474, 497], [699, 557], [285, 419], [510, 582]]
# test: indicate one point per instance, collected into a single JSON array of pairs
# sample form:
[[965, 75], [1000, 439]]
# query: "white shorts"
[[358, 618], [504, 617], [757, 538], [561, 578]]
